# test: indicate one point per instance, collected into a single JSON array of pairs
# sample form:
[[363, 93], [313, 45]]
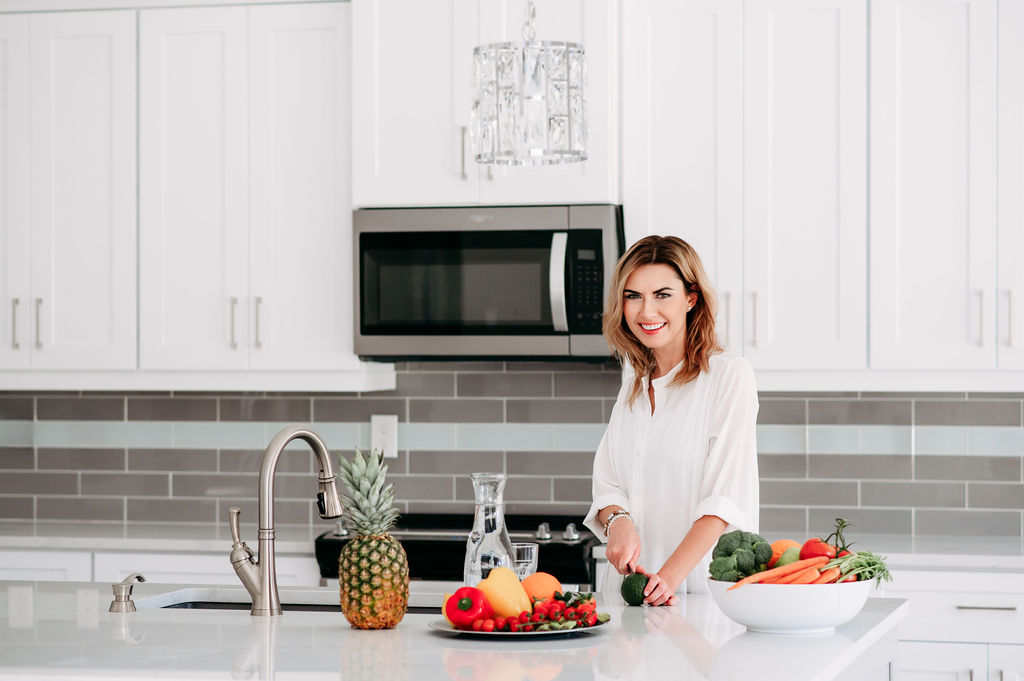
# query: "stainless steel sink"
[[309, 599]]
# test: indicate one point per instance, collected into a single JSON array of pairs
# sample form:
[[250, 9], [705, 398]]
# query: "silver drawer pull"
[[39, 339], [14, 324], [1008, 608], [234, 303], [257, 344]]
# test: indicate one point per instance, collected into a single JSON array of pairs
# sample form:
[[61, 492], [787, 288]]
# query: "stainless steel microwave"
[[484, 282]]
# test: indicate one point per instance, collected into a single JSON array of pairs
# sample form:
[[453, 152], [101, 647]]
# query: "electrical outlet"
[[384, 434]]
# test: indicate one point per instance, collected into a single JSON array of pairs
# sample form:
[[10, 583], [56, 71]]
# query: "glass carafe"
[[488, 545]]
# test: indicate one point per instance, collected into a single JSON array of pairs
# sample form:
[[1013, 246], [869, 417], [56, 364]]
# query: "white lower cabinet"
[[1005, 662], [197, 568], [941, 661], [46, 566]]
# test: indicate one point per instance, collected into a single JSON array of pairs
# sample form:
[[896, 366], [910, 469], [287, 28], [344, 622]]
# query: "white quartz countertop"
[[63, 631]]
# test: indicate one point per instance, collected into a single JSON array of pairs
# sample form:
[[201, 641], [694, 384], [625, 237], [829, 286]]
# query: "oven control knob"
[[570, 533], [543, 531]]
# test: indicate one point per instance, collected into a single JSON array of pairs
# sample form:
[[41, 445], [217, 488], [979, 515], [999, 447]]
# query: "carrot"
[[792, 577], [827, 576], [775, 572], [808, 576]]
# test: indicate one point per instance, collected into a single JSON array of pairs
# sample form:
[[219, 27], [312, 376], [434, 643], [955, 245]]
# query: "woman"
[[677, 465]]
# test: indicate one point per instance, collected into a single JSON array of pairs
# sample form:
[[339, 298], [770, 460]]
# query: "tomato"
[[488, 625], [815, 547]]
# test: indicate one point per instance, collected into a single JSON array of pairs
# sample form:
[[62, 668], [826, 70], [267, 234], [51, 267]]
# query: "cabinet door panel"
[[300, 217], [682, 135], [1011, 186], [83, 190], [15, 347], [804, 184], [194, 229], [411, 89], [933, 184], [926, 661], [591, 23], [1005, 662]]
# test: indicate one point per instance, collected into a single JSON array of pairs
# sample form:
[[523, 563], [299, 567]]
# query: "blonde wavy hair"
[[701, 339]]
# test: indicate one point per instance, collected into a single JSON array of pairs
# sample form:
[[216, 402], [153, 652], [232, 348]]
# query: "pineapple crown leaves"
[[369, 502]]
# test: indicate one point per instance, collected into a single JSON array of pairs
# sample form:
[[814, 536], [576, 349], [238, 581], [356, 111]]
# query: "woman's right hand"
[[623, 550]]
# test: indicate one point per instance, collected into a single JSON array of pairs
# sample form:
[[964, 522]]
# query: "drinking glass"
[[525, 558]]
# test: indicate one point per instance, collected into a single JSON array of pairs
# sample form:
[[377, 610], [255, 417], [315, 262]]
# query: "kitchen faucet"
[[259, 574]]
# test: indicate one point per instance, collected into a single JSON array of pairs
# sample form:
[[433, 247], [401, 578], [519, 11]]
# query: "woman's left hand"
[[660, 590]]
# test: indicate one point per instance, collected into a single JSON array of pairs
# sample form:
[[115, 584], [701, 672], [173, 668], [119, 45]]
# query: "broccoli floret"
[[749, 550], [762, 552], [727, 544], [724, 568], [744, 560]]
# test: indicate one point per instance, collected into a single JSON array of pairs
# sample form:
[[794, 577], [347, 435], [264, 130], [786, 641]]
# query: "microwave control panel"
[[586, 281]]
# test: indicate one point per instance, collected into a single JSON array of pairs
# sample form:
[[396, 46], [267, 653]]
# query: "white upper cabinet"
[[1010, 296], [194, 187], [804, 204], [300, 205], [411, 99], [15, 346], [412, 96], [745, 135], [933, 184], [246, 220], [67, 193], [682, 145]]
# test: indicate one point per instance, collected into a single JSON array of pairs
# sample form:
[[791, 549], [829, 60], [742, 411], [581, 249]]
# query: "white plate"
[[442, 625]]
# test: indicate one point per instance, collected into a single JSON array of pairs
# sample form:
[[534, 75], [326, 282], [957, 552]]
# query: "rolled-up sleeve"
[[607, 488], [729, 488]]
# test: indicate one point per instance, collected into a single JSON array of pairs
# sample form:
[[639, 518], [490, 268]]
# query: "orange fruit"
[[541, 585], [778, 547]]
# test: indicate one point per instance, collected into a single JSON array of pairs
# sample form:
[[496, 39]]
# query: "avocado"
[[633, 586]]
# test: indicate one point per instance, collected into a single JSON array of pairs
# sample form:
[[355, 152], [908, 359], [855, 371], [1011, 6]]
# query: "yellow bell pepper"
[[505, 593], [444, 608]]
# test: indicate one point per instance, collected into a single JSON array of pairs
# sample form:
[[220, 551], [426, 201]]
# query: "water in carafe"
[[488, 545]]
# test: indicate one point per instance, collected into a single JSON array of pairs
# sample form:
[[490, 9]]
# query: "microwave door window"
[[457, 284]]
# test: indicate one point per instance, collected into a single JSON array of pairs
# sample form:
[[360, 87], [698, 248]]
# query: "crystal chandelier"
[[528, 101]]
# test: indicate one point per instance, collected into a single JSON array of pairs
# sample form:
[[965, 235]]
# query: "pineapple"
[[373, 570]]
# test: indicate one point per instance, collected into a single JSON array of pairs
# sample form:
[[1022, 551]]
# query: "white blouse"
[[695, 456]]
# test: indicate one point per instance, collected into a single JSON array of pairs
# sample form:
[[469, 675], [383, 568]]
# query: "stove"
[[436, 545]]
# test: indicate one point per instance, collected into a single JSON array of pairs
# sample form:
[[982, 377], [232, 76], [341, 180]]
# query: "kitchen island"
[[52, 630]]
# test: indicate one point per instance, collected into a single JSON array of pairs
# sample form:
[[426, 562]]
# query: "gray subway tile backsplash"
[[16, 408], [80, 408], [899, 463], [443, 410], [554, 411], [860, 412], [15, 458], [967, 413]]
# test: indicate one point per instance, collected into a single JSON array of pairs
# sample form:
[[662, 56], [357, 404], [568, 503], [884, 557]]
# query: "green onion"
[[864, 564]]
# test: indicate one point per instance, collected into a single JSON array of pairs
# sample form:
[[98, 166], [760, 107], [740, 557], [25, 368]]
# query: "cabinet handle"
[[14, 324], [463, 174], [753, 312], [981, 318], [1008, 608], [234, 304], [39, 337], [256, 341], [970, 675], [728, 314], [1009, 317]]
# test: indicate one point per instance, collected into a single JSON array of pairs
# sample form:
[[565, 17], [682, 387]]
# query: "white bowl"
[[791, 608]]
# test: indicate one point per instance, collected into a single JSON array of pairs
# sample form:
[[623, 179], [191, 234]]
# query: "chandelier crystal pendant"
[[528, 101]]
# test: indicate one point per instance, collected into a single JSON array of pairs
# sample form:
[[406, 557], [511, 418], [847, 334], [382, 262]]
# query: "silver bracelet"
[[612, 518]]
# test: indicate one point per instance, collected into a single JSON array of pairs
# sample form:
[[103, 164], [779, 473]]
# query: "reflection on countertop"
[[54, 630]]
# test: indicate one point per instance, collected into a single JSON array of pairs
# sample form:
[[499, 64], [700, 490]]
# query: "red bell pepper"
[[467, 605]]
